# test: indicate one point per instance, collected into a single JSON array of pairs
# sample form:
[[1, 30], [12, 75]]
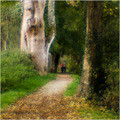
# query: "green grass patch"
[[24, 88], [72, 87]]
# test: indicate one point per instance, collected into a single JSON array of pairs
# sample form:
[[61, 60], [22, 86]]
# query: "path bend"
[[48, 102]]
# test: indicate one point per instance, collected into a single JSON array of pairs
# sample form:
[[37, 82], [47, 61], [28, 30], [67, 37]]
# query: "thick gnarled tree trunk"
[[33, 32], [91, 59]]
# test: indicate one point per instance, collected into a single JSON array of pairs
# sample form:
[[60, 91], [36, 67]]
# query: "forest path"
[[57, 86], [47, 103]]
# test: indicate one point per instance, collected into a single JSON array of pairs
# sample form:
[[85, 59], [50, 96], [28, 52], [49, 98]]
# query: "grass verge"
[[86, 109], [72, 87], [24, 88]]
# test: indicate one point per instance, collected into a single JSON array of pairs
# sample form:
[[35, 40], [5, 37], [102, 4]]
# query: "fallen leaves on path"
[[47, 103], [55, 107]]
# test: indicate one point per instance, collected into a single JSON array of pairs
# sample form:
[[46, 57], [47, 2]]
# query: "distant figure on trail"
[[62, 68]]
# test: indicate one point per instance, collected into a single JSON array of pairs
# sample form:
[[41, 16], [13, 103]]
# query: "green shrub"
[[111, 95], [74, 66], [15, 67]]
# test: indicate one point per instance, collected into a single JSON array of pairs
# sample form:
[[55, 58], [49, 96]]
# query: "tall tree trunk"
[[57, 57], [32, 33], [50, 63], [53, 62], [92, 60], [4, 45], [52, 27]]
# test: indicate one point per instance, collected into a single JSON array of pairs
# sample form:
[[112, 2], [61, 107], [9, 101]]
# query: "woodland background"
[[69, 45]]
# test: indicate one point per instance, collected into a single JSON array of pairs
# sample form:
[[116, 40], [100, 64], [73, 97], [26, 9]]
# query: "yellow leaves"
[[110, 9], [116, 8], [72, 104], [102, 108], [56, 107], [72, 2]]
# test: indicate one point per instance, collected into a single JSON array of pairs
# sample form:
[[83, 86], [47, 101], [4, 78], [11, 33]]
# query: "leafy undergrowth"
[[15, 67], [24, 88], [56, 107], [88, 109], [72, 87]]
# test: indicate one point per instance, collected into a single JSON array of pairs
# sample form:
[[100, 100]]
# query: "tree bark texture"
[[54, 61], [50, 63], [52, 27], [92, 50], [33, 32]]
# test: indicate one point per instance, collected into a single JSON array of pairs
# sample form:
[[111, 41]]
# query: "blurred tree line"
[[11, 16], [70, 34]]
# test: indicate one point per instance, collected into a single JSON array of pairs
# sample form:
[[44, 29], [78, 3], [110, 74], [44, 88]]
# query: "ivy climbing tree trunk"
[[92, 60]]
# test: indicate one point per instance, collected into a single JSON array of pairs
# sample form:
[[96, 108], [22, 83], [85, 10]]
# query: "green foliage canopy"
[[11, 12]]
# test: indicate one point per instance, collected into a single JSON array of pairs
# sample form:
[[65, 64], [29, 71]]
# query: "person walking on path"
[[62, 68]]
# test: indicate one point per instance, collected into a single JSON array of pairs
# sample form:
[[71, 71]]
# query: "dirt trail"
[[56, 86], [47, 103]]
